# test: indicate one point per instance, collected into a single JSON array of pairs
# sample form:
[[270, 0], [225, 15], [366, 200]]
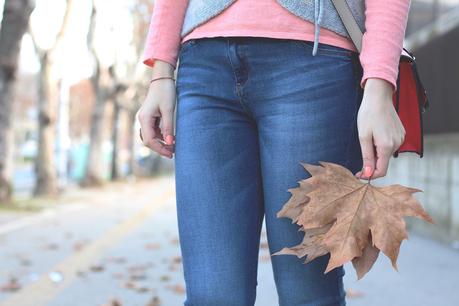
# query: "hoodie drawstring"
[[318, 13]]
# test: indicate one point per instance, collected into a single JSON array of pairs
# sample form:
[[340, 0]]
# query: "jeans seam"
[[337, 53], [237, 87]]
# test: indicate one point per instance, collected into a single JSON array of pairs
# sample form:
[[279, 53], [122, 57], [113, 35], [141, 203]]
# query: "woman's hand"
[[381, 132], [158, 107]]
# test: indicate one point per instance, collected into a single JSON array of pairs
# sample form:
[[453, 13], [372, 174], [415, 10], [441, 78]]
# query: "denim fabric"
[[249, 110]]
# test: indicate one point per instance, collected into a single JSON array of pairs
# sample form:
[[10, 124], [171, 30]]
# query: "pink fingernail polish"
[[367, 171]]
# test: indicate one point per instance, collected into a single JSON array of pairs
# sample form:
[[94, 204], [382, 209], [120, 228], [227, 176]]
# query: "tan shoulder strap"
[[349, 22]]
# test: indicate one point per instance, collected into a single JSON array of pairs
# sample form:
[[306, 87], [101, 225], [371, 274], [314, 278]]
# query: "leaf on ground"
[[155, 301], [164, 278], [139, 268], [51, 246], [349, 219], [97, 268], [177, 259], [264, 245], [142, 289], [114, 302], [117, 259], [177, 288], [11, 286], [352, 294], [152, 246]]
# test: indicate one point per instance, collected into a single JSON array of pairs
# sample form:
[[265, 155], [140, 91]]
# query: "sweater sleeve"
[[163, 38], [382, 42]]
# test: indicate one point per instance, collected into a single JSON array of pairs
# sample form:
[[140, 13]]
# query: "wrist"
[[378, 92], [379, 84], [162, 68]]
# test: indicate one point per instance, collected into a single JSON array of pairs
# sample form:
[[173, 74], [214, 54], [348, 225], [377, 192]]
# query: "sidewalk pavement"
[[121, 244]]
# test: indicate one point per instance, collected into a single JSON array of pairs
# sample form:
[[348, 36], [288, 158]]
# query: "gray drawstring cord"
[[318, 13]]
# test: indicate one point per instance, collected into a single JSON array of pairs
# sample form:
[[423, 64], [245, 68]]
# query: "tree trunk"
[[16, 15], [115, 139], [94, 174], [131, 144], [45, 167], [102, 82], [48, 103]]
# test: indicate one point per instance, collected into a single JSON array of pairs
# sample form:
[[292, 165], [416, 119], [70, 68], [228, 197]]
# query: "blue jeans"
[[249, 110]]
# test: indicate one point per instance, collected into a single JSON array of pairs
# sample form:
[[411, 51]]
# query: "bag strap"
[[349, 22]]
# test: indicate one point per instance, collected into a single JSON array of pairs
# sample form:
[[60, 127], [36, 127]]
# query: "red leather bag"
[[410, 99]]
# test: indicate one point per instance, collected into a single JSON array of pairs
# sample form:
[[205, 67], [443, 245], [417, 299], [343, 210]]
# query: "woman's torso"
[[264, 18], [382, 43]]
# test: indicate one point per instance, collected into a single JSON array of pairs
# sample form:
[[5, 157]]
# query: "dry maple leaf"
[[349, 219], [311, 244]]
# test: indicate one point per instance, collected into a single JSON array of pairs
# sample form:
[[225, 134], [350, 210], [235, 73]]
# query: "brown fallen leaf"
[[97, 268], [164, 278], [130, 285], [51, 246], [79, 245], [177, 288], [155, 301], [24, 261], [152, 246], [265, 258], [138, 276], [352, 294], [117, 259], [349, 219], [142, 289], [139, 268], [11, 286], [114, 302], [264, 245], [177, 259]]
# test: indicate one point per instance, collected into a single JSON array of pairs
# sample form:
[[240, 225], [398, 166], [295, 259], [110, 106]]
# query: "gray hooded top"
[[320, 12]]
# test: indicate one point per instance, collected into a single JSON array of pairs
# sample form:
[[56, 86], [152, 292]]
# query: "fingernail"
[[169, 139], [367, 171]]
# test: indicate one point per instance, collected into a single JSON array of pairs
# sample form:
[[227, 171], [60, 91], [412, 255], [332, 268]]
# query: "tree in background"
[[137, 90], [118, 81], [48, 101], [103, 85], [15, 21], [131, 85]]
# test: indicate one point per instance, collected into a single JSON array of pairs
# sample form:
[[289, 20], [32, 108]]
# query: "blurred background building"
[[433, 36]]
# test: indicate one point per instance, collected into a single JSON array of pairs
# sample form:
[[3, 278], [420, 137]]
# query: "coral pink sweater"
[[385, 23]]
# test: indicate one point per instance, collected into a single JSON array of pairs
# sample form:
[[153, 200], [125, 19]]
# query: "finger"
[[168, 125], [368, 156], [382, 162], [166, 149], [150, 135]]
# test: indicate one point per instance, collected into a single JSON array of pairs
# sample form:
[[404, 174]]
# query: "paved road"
[[121, 243]]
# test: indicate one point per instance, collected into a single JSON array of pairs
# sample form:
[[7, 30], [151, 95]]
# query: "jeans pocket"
[[325, 49]]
